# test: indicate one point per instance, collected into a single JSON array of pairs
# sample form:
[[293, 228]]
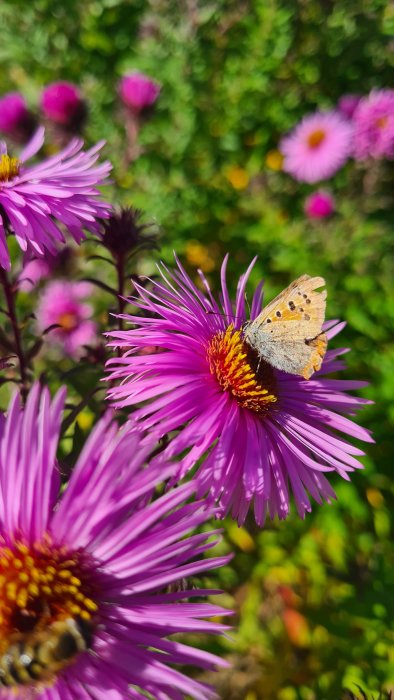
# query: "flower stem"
[[9, 293], [120, 270]]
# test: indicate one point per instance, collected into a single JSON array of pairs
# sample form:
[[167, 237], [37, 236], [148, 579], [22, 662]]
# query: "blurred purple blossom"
[[374, 126], [347, 105], [63, 104], [16, 120], [138, 91], [319, 205], [13, 110]]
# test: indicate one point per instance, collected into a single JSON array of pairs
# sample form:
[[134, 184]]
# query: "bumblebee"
[[39, 656]]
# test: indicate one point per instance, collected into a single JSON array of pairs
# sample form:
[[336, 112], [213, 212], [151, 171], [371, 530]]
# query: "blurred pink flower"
[[61, 102], [33, 271], [347, 105], [374, 126], [36, 269], [318, 146], [13, 111], [62, 303], [138, 91], [319, 205]]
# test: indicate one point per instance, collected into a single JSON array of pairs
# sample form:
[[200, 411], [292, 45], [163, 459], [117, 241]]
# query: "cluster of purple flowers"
[[360, 127], [104, 555]]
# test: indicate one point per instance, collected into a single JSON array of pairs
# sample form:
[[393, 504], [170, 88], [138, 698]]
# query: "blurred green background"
[[314, 599]]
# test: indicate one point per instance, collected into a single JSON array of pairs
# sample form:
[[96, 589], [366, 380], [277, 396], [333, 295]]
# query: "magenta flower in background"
[[62, 103], [64, 304], [318, 146], [262, 433], [374, 126], [319, 205], [62, 187], [348, 104], [111, 556], [138, 91], [13, 112], [16, 120]]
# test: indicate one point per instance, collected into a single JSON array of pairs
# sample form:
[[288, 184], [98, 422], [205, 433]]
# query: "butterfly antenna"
[[221, 313], [247, 304]]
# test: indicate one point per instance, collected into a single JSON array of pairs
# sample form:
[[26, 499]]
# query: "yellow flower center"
[[68, 321], [9, 168], [41, 587], [382, 122], [316, 138], [238, 371]]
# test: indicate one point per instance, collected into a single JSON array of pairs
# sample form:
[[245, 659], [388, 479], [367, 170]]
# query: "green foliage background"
[[314, 599]]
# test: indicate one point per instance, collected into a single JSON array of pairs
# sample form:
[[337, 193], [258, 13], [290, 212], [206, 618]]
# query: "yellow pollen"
[[9, 168], [316, 138], [41, 585], [382, 122], [230, 363], [67, 321]]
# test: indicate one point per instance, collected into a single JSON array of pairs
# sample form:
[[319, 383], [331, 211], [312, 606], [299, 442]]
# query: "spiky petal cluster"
[[100, 551], [61, 190], [318, 146], [262, 433]]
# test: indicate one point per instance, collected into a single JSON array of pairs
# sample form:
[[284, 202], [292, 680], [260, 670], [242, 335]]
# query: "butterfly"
[[288, 332]]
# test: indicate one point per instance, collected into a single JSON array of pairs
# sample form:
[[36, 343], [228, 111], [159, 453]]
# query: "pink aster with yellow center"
[[38, 201], [89, 600], [318, 146], [257, 433]]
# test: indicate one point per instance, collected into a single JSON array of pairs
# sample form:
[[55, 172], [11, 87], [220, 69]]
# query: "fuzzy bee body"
[[37, 657]]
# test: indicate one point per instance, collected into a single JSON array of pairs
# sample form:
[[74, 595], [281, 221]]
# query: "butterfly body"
[[288, 332]]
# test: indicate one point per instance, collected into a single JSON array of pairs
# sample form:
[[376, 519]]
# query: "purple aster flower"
[[85, 571], [138, 91], [319, 205], [63, 303], [62, 187], [348, 104], [374, 126], [15, 118], [262, 433], [318, 146]]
